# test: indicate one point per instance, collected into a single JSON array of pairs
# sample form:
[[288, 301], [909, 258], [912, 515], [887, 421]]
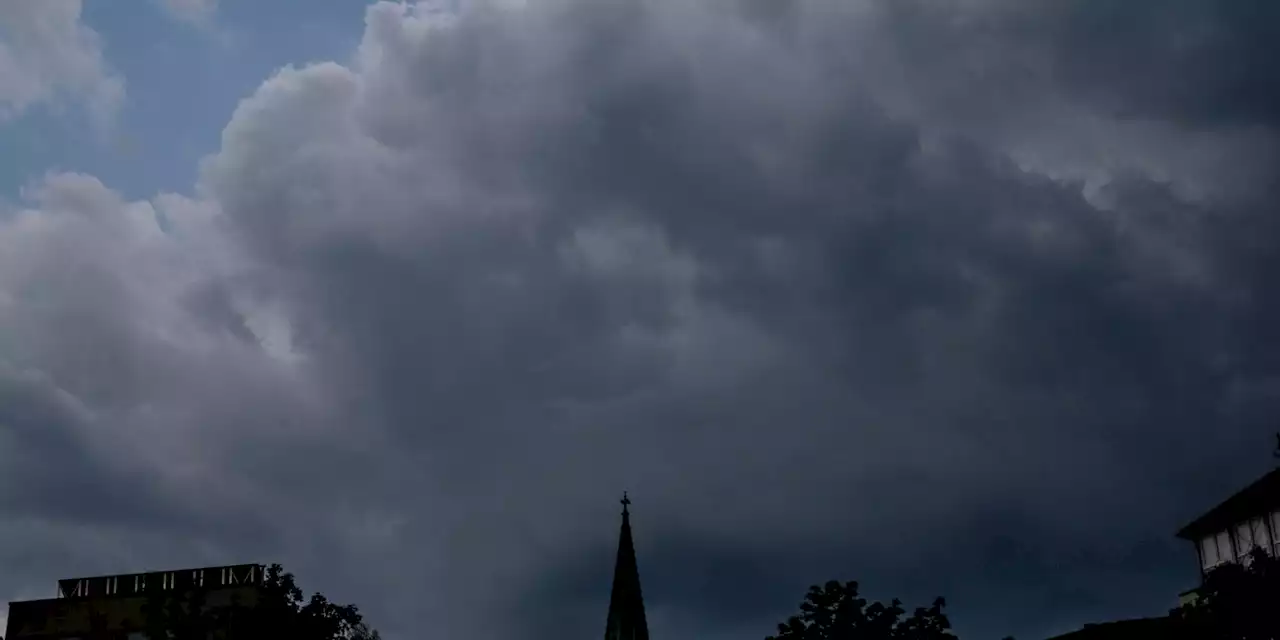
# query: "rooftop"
[[1256, 499], [1121, 629]]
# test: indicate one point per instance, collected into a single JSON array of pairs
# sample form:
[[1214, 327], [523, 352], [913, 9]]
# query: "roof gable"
[[1256, 499]]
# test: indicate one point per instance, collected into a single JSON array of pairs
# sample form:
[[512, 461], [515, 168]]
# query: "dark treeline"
[[1236, 602], [836, 611], [280, 611]]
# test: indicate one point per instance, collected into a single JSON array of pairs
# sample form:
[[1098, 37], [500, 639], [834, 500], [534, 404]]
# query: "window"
[[1249, 535], [1261, 537], [1244, 540], [1275, 527], [75, 588], [1209, 552], [1224, 547]]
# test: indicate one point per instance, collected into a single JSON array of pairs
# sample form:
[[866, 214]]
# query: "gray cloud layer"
[[966, 299], [47, 54]]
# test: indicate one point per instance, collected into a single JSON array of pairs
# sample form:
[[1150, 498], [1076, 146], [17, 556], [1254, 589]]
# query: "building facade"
[[117, 607], [1229, 532], [1248, 520]]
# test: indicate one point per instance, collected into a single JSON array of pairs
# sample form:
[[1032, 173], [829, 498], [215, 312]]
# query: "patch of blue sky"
[[182, 83]]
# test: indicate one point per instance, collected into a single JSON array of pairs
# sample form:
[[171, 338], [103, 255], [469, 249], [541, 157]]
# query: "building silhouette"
[[626, 605], [117, 607], [1226, 533], [1154, 628], [1247, 520]]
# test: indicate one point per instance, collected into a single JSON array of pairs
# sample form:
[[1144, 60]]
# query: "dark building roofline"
[[1261, 496], [1118, 629], [185, 570]]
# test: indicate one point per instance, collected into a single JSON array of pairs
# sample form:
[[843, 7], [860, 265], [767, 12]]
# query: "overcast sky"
[[972, 298]]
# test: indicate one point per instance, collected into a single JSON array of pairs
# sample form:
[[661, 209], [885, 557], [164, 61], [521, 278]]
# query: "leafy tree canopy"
[[835, 611], [1236, 602], [278, 611]]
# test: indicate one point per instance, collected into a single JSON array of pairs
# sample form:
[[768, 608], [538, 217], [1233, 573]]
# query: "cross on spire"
[[626, 605]]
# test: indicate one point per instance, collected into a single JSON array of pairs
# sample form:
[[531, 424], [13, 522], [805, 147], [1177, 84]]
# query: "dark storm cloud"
[[43, 425], [1193, 61], [874, 291]]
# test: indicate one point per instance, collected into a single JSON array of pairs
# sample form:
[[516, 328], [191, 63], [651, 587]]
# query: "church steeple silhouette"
[[626, 606]]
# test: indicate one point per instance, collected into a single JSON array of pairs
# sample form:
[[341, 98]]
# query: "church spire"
[[626, 606]]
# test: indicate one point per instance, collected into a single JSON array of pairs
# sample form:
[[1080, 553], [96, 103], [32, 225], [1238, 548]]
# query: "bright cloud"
[[47, 53]]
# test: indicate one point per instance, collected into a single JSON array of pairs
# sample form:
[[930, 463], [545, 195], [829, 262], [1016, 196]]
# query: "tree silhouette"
[[278, 611], [179, 616], [1236, 602], [835, 611]]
